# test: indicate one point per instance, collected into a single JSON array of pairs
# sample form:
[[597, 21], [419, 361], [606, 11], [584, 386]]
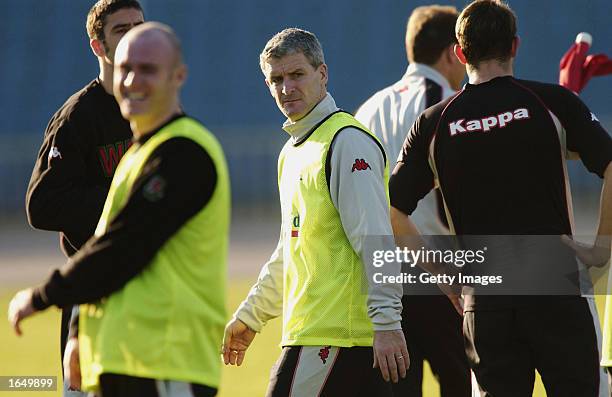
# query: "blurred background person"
[[83, 143], [152, 279], [431, 324], [575, 70]]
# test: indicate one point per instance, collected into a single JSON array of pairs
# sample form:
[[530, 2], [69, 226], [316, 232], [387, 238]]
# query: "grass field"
[[37, 352]]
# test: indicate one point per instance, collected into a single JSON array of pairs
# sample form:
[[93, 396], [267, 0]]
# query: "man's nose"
[[288, 87]]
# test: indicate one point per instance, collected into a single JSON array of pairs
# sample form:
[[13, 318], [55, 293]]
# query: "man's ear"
[[449, 53], [97, 46], [270, 90], [515, 45], [181, 74], [323, 70], [459, 54]]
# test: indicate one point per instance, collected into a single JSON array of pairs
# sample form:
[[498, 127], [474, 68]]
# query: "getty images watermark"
[[491, 264], [440, 257]]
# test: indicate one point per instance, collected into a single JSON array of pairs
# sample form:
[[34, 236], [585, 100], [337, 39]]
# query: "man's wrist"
[[248, 320], [388, 327], [39, 300]]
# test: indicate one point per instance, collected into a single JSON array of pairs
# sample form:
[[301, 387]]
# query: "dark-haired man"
[[431, 324], [497, 150], [83, 143]]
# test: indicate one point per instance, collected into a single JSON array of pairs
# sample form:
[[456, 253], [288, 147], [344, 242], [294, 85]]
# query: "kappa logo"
[[324, 354], [360, 165], [54, 153], [485, 124]]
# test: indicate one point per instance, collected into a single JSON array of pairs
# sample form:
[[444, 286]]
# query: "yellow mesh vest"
[[325, 290], [168, 321]]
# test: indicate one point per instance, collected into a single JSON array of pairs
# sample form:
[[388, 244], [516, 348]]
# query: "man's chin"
[[131, 111], [134, 116], [293, 114]]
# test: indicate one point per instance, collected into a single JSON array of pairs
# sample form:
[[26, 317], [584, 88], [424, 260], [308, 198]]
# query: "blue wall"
[[45, 58]]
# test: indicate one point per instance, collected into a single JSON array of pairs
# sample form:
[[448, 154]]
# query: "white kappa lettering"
[[504, 118], [474, 125], [487, 123], [456, 127], [521, 114]]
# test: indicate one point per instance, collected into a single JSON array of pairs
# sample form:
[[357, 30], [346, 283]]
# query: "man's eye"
[[149, 69]]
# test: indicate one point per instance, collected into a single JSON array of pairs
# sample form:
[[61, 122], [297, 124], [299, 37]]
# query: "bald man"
[[149, 322]]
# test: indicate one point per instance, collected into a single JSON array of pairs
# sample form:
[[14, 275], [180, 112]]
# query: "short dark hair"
[[96, 18], [485, 31], [430, 29]]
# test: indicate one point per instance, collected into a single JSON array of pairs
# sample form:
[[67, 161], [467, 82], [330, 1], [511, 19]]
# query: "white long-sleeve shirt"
[[390, 113], [361, 201]]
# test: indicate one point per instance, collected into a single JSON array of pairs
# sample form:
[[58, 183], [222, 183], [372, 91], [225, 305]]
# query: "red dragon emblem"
[[360, 165], [324, 354]]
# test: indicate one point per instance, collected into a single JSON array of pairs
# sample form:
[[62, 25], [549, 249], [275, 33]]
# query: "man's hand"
[[237, 339], [72, 365], [391, 354], [596, 255], [20, 308]]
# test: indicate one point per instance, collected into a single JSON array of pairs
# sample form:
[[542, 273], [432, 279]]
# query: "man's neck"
[[488, 70], [443, 69], [106, 76], [144, 126]]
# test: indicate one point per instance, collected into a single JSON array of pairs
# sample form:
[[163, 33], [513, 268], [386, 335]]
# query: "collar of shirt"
[[421, 70], [494, 80], [299, 128]]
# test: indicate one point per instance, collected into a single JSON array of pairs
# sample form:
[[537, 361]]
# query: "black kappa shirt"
[[498, 150], [83, 143], [499, 156]]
